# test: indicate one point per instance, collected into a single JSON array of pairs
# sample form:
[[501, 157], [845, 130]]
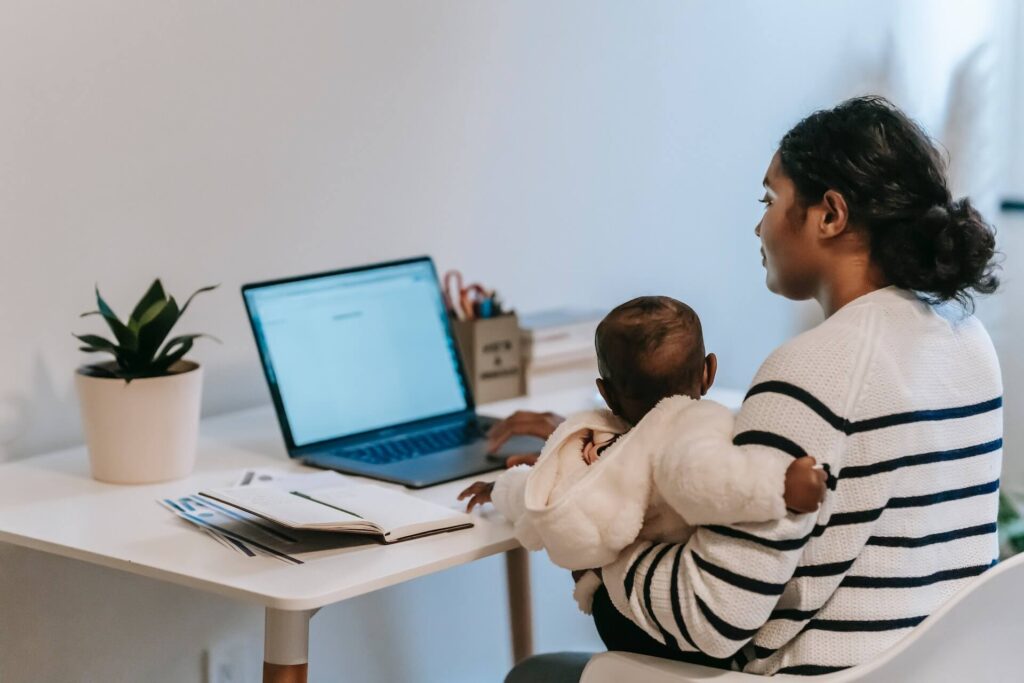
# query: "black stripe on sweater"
[[920, 459], [775, 544], [926, 416], [810, 669], [669, 638], [677, 608], [913, 581], [738, 580], [830, 569], [794, 614], [865, 625], [931, 539], [844, 518], [862, 516], [759, 438], [847, 427], [944, 496], [627, 583], [865, 516], [802, 395], [724, 628]]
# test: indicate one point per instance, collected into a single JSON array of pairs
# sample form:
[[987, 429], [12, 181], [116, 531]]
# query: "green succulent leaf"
[[208, 288], [100, 371], [97, 342], [125, 337], [155, 331], [154, 294], [137, 350], [173, 352], [151, 313]]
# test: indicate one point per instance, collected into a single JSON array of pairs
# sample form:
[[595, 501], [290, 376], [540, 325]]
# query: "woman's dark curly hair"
[[894, 183]]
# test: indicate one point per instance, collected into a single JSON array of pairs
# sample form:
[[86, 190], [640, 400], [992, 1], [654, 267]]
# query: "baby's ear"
[[608, 395], [710, 370]]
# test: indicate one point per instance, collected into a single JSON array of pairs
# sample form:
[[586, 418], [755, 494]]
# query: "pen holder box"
[[492, 354]]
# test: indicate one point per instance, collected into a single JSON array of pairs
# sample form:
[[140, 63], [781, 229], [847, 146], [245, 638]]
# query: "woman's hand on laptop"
[[522, 423], [521, 459]]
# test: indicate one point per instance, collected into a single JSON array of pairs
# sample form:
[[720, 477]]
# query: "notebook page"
[[286, 508], [398, 514]]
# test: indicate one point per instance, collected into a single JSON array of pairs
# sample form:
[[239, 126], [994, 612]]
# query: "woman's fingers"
[[522, 459], [525, 423]]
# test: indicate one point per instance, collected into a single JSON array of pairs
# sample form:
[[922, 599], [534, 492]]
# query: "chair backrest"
[[977, 636]]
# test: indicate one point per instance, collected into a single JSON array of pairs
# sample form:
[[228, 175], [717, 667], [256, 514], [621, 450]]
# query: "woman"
[[898, 394]]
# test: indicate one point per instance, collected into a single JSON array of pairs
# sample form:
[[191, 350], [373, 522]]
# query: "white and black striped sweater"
[[905, 408]]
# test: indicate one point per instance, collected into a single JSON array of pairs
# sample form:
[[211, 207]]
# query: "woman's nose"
[[757, 229]]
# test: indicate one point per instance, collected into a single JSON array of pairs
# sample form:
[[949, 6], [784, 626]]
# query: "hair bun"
[[947, 251]]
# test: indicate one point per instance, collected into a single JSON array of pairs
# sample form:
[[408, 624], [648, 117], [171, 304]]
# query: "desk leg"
[[286, 646], [517, 566]]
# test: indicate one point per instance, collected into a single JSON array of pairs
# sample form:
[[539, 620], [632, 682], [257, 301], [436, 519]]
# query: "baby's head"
[[648, 349]]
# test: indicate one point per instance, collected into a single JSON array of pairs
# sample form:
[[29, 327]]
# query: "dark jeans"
[[618, 633]]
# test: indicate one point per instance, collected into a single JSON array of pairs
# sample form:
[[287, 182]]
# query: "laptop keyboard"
[[414, 445]]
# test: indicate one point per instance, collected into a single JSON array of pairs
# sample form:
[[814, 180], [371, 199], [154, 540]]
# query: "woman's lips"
[[764, 258]]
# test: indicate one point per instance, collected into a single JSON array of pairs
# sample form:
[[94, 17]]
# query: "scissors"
[[465, 298]]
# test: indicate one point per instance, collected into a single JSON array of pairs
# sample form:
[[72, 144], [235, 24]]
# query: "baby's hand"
[[805, 485], [478, 494]]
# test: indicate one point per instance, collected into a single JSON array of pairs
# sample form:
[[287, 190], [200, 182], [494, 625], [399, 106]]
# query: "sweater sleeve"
[[714, 593]]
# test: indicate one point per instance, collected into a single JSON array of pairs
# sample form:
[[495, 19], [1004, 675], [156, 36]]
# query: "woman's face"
[[788, 244]]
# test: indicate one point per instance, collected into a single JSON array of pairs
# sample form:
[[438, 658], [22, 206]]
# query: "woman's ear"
[[710, 370], [835, 214]]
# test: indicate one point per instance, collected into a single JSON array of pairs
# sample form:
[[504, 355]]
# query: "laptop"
[[366, 377]]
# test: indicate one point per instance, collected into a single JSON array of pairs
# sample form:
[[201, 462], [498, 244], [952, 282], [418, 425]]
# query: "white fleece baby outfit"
[[673, 471]]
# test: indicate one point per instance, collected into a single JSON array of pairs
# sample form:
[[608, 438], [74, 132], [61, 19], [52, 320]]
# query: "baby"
[[653, 466]]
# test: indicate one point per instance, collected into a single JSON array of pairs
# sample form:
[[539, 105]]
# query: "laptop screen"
[[357, 351]]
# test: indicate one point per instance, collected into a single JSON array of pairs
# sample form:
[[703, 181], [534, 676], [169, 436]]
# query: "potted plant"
[[140, 411]]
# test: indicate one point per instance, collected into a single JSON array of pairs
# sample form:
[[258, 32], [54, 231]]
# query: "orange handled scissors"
[[460, 302]]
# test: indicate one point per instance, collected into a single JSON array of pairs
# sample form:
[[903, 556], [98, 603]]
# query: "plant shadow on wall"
[[25, 424]]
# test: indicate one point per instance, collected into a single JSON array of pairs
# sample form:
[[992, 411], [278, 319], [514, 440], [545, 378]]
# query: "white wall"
[[595, 154], [568, 153], [1015, 186]]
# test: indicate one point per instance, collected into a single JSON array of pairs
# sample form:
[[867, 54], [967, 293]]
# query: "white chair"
[[977, 637]]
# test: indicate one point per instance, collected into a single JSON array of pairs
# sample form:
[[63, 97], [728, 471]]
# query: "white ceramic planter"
[[143, 431]]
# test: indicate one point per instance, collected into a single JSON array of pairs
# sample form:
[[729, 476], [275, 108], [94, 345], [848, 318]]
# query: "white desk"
[[50, 503]]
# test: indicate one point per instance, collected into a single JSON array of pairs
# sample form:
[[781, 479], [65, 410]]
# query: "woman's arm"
[[714, 593]]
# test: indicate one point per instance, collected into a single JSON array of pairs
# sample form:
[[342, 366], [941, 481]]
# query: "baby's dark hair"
[[894, 183], [650, 348]]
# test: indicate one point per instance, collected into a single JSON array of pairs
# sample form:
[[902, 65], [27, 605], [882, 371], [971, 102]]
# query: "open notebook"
[[355, 508]]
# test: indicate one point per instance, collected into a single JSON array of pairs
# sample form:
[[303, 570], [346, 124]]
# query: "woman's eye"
[[764, 200]]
